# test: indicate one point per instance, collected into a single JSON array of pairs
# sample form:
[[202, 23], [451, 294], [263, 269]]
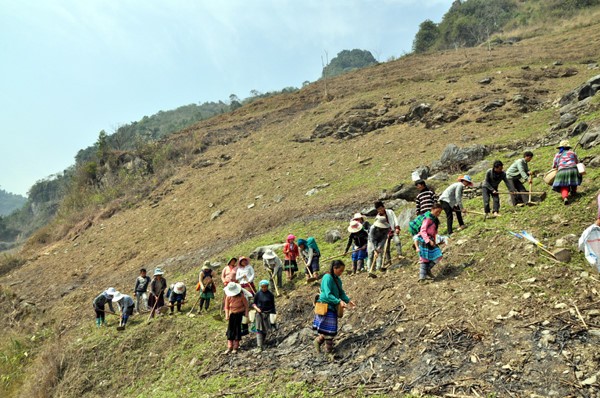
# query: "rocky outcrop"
[[459, 159]]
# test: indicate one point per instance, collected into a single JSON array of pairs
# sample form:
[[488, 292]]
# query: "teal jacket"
[[330, 293]]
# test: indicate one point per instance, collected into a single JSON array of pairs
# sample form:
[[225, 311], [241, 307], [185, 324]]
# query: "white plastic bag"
[[589, 243], [581, 168]]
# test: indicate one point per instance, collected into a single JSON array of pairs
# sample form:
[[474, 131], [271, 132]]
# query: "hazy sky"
[[70, 68]]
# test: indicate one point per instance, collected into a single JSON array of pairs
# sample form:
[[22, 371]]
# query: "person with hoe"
[[206, 286], [274, 267], [358, 239], [567, 177], [451, 201], [236, 307], [157, 288], [177, 296], [291, 253], [378, 235], [429, 251], [330, 306], [99, 305], [394, 231], [516, 173], [126, 305], [490, 185], [264, 304], [245, 275], [311, 254], [140, 289]]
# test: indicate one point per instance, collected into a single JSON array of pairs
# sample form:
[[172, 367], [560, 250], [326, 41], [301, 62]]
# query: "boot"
[[260, 341], [98, 322], [317, 343]]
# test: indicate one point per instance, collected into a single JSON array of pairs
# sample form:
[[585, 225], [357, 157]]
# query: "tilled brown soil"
[[450, 337]]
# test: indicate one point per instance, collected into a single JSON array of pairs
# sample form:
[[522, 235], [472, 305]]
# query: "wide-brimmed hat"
[[269, 254], [158, 271], [242, 259], [381, 222], [110, 291], [118, 296], [179, 288], [206, 265], [290, 237], [354, 227], [466, 178], [232, 289], [357, 216], [564, 144]]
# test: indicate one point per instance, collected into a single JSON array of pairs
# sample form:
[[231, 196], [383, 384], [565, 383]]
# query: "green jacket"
[[330, 293]]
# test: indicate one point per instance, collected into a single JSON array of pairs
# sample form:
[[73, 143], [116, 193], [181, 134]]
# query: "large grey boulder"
[[580, 128], [405, 216], [566, 120], [484, 165], [258, 252], [590, 139], [332, 236], [420, 173], [408, 192], [458, 159]]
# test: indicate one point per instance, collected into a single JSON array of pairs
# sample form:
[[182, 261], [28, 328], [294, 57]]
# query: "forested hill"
[[469, 23], [10, 202]]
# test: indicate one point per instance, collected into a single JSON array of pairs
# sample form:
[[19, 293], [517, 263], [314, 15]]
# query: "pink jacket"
[[428, 230], [228, 274]]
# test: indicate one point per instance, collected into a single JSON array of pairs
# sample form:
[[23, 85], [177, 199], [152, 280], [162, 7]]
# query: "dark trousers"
[[99, 314], [486, 200], [450, 216], [205, 302], [515, 185]]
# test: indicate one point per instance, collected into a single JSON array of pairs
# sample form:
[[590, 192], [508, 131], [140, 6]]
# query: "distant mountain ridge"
[[10, 202]]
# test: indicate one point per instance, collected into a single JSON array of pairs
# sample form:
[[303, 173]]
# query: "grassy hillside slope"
[[481, 328]]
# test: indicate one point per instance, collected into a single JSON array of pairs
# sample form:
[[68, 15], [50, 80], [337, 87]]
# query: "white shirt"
[[245, 274]]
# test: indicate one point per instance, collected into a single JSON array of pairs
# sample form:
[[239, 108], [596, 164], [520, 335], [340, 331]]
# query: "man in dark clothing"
[[493, 177], [426, 197]]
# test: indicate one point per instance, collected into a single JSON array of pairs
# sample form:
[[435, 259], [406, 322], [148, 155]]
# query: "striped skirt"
[[569, 177], [428, 253], [326, 324]]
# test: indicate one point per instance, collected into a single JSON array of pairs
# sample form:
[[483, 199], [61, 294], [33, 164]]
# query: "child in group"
[[177, 296], [206, 285], [429, 251], [99, 304], [126, 305], [140, 289], [291, 253]]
